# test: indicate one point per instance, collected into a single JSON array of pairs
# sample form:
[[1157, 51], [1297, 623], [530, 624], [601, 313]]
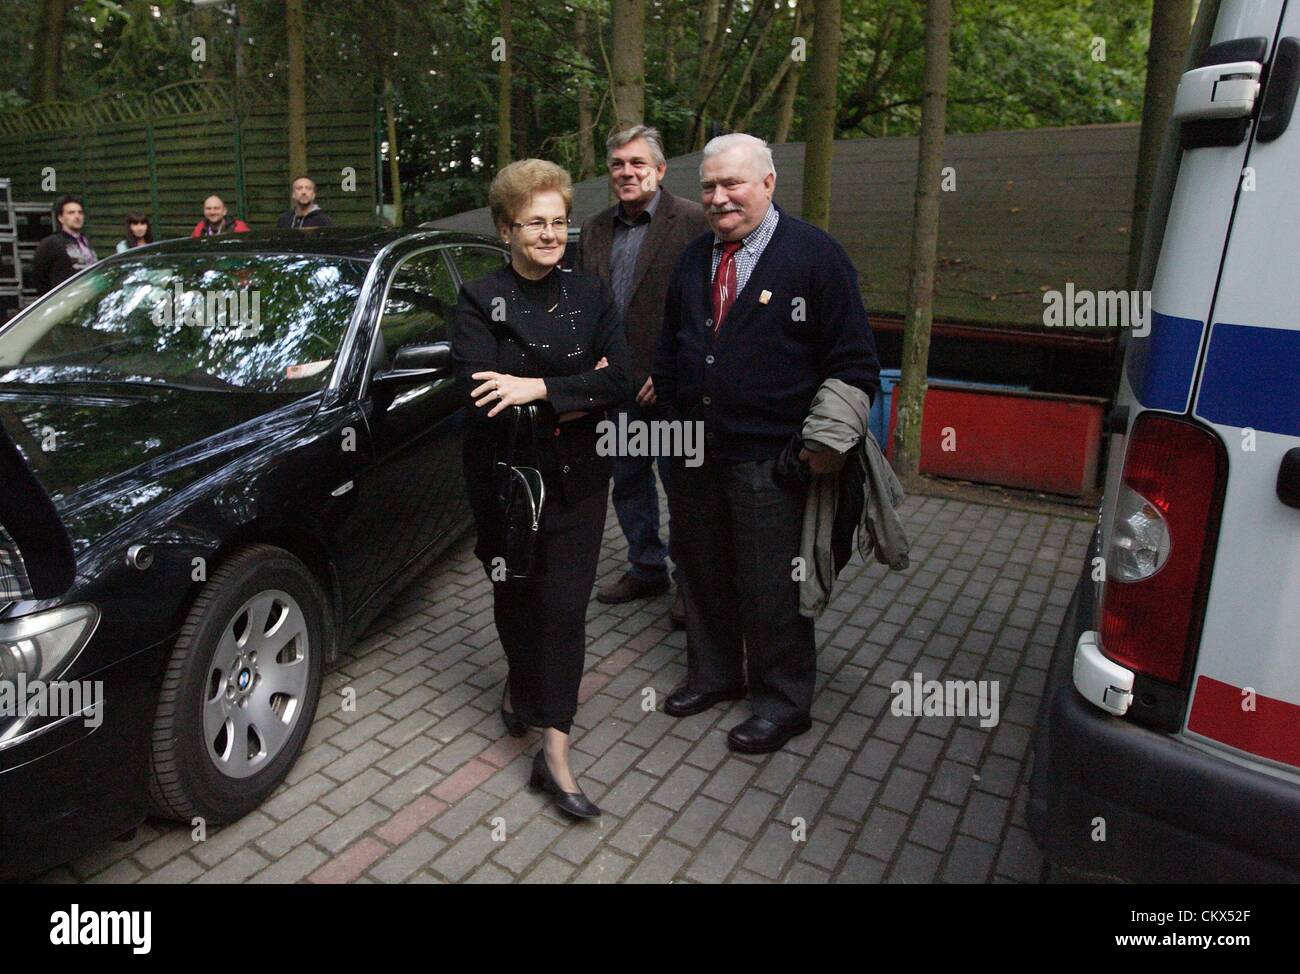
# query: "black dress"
[[555, 329]]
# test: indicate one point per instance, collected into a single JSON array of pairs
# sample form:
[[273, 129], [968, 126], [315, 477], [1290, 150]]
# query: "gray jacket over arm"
[[838, 421]]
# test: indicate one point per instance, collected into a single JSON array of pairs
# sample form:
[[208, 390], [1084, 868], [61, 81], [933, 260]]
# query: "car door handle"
[[1218, 91], [1288, 478], [1215, 100]]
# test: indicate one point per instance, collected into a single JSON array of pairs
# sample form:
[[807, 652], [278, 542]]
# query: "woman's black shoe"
[[573, 803], [514, 726]]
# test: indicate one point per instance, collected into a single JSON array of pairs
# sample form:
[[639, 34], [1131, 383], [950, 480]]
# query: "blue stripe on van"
[[1252, 378], [1161, 363]]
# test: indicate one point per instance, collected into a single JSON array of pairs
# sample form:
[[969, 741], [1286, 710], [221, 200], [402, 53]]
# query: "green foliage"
[[1015, 64], [1018, 64]]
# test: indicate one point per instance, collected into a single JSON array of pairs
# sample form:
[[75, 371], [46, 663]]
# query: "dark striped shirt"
[[625, 249]]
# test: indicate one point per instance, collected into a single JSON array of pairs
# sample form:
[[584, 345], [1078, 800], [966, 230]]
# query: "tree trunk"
[[862, 103], [1171, 22], [925, 242], [628, 62], [586, 139], [47, 52], [711, 67], [823, 74], [760, 100], [789, 88], [743, 84], [503, 89], [708, 27], [670, 44], [394, 169], [785, 105], [775, 84], [536, 123], [293, 33], [520, 109]]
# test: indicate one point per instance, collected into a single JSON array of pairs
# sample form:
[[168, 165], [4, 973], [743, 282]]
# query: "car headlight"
[[43, 645]]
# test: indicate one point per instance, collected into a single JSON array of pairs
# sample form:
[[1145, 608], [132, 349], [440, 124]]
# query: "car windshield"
[[268, 323]]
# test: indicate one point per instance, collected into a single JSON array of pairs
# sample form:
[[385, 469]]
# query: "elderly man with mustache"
[[758, 315]]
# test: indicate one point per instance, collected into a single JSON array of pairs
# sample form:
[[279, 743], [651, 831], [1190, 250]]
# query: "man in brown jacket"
[[635, 245]]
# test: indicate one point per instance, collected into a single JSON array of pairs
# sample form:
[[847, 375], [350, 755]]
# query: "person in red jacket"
[[215, 221]]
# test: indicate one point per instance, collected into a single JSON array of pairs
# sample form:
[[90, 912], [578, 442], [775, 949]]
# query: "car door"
[[474, 261], [1246, 684], [414, 496], [1161, 518]]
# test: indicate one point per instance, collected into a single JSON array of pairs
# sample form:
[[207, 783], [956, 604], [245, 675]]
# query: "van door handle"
[[1288, 478], [1215, 101], [1279, 96], [1218, 91]]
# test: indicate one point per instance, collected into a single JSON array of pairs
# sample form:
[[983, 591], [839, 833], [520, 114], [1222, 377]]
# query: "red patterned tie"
[[724, 284]]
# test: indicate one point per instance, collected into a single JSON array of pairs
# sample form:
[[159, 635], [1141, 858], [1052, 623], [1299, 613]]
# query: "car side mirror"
[[415, 364]]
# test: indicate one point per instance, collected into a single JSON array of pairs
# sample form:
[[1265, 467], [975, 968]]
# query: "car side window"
[[476, 262], [418, 305]]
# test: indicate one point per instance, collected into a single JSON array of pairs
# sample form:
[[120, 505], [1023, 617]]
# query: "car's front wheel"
[[240, 689]]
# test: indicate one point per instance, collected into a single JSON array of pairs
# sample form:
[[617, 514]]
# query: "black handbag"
[[520, 494]]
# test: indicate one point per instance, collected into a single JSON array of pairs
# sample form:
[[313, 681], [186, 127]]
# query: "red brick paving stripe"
[[501, 752], [464, 780], [592, 683], [646, 639], [351, 863], [413, 816], [409, 819], [617, 661]]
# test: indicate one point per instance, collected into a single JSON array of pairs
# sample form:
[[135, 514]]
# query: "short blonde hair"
[[520, 181]]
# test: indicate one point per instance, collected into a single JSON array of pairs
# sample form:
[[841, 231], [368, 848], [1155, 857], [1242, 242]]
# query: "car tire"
[[229, 725]]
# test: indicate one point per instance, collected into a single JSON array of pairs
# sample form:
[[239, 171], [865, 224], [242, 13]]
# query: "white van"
[[1168, 746]]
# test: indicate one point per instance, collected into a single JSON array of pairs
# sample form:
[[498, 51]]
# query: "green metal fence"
[[165, 151]]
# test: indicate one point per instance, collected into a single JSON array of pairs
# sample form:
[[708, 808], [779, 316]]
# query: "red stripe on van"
[[1271, 730]]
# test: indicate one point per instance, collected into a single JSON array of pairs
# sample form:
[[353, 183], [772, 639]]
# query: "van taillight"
[[1162, 546]]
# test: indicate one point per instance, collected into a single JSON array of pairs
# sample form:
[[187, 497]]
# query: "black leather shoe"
[[758, 735], [685, 702], [573, 803], [514, 726]]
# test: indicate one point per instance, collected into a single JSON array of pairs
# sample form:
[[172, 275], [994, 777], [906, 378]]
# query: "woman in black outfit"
[[533, 333]]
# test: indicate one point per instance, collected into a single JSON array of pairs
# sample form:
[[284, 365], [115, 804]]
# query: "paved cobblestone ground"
[[421, 784]]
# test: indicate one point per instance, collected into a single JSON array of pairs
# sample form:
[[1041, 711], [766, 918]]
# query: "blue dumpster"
[[878, 419]]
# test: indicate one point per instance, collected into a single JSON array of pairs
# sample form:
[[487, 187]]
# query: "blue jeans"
[[636, 502]]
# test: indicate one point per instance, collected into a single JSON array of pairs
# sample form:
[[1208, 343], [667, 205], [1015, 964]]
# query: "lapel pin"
[[765, 297]]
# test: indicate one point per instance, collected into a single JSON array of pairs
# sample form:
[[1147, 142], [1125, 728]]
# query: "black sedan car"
[[253, 441]]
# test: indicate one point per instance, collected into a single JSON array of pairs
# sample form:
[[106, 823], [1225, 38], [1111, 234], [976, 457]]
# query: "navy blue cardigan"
[[754, 385]]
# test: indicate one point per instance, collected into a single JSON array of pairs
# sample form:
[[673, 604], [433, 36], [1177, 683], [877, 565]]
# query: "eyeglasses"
[[534, 228]]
